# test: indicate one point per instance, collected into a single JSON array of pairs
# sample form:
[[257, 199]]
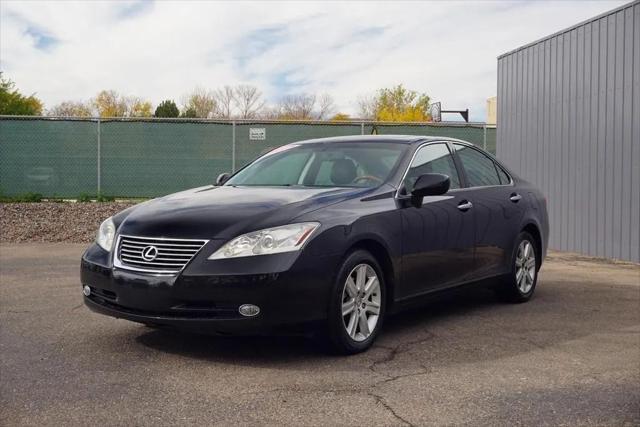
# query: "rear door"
[[498, 209], [439, 236]]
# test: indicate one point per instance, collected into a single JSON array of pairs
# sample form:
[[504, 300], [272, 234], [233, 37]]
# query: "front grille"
[[156, 255]]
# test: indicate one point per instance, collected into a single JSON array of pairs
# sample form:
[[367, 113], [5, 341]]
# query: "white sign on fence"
[[257, 134]]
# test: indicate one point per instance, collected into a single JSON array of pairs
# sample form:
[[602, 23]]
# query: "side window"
[[504, 178], [433, 158], [481, 170]]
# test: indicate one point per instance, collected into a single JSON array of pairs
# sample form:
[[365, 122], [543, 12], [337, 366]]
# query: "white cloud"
[[71, 50]]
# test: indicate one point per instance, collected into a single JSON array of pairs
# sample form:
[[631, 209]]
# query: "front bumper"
[[293, 294]]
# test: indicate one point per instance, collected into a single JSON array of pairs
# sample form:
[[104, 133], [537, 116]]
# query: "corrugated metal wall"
[[569, 121]]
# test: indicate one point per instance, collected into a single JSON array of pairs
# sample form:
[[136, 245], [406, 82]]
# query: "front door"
[[438, 237]]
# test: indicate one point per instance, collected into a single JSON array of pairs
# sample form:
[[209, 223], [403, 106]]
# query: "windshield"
[[340, 164]]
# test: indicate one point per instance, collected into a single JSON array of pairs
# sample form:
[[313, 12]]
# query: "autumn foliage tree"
[[200, 103], [108, 103], [396, 104], [340, 117], [138, 107], [12, 102]]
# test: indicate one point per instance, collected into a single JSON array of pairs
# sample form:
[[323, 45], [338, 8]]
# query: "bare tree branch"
[[248, 101], [225, 98], [367, 107], [297, 107], [71, 109], [326, 107]]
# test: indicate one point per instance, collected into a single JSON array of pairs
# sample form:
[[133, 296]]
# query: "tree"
[[297, 107], [326, 106], [248, 101], [138, 107], [396, 104], [71, 109], [270, 112], [340, 117], [12, 102], [367, 107], [109, 104], [202, 102], [225, 97], [189, 113], [167, 108]]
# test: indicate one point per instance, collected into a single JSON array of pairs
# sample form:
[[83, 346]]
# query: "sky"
[[64, 50]]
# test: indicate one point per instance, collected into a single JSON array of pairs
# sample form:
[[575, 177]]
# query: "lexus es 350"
[[328, 235]]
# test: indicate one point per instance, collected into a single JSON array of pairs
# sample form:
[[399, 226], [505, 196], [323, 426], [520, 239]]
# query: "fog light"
[[249, 310], [86, 290]]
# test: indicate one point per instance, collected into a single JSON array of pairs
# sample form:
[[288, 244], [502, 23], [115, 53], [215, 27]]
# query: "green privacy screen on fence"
[[149, 158]]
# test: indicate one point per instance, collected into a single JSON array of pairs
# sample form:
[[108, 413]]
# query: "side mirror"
[[222, 178], [429, 184]]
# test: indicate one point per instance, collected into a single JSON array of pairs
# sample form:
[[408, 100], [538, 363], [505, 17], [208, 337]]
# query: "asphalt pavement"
[[571, 356]]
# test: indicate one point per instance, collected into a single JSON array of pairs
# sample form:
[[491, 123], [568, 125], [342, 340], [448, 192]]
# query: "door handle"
[[465, 205], [515, 197]]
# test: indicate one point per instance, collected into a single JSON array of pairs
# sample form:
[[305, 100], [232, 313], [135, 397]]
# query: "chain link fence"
[[61, 157]]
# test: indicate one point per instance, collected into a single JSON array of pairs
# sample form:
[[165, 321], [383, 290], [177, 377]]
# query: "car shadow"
[[466, 325], [284, 349]]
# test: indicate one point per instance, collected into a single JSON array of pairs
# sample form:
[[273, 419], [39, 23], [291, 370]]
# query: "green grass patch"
[[21, 198]]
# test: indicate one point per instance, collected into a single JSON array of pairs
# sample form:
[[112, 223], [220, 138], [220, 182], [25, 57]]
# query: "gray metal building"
[[569, 121]]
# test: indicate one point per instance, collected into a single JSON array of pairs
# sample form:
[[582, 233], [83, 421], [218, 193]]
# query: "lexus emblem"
[[149, 253]]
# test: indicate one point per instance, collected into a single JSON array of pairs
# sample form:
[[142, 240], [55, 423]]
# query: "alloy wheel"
[[525, 266], [361, 302]]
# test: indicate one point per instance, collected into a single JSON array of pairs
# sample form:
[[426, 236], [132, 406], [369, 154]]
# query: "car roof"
[[397, 139]]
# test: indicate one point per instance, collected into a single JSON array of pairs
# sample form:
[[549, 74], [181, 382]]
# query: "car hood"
[[225, 212]]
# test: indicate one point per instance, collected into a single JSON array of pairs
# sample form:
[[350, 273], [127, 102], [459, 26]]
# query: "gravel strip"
[[54, 222]]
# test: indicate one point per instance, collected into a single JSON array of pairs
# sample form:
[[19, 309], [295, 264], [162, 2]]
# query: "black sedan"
[[327, 235]]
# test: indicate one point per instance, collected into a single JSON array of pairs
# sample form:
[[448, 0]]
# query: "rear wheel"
[[358, 304], [520, 283]]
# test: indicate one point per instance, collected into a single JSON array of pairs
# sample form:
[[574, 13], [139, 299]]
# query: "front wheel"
[[520, 283], [357, 306]]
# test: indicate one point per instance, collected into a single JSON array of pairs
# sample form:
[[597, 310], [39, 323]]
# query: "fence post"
[[99, 160], [362, 128], [484, 137], [233, 146]]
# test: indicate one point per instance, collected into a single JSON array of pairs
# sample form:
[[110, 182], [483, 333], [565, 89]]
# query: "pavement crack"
[[390, 378], [393, 352], [379, 399]]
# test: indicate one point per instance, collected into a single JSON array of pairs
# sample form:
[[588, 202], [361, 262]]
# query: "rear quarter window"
[[480, 169], [504, 178]]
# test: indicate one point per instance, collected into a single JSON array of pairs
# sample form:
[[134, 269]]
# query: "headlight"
[[287, 238], [106, 234]]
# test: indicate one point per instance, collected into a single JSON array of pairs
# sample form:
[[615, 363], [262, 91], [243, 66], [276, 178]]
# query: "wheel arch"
[[534, 231], [382, 255]]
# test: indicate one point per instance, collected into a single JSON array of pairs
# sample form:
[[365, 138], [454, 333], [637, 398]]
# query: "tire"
[[348, 333], [518, 286]]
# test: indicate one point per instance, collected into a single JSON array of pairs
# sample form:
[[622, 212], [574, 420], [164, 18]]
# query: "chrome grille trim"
[[172, 254]]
